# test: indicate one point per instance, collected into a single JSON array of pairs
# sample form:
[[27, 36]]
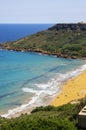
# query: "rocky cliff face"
[[74, 26]]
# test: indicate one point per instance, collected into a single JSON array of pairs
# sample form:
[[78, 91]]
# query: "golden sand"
[[72, 90]]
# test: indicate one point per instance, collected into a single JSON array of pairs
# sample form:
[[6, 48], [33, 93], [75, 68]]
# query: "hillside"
[[46, 118], [63, 40]]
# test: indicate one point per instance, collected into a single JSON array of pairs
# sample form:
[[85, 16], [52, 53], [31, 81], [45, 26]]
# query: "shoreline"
[[29, 106], [42, 53], [72, 90], [39, 51], [63, 94]]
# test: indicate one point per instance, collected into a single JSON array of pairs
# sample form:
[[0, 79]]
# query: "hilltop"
[[62, 40]]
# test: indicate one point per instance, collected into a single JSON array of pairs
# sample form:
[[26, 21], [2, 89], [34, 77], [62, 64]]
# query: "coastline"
[[24, 108], [39, 51], [67, 93], [29, 106], [72, 90]]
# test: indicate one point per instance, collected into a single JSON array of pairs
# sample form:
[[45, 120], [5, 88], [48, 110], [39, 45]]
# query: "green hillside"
[[46, 118], [63, 40]]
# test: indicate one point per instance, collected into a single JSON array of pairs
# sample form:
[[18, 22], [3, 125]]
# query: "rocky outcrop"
[[71, 26]]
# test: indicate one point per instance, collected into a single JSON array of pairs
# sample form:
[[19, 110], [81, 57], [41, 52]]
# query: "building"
[[82, 118]]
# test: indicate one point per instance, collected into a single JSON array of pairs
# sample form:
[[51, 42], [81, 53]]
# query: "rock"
[[71, 26]]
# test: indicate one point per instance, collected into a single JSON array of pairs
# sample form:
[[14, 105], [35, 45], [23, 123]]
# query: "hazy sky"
[[42, 11]]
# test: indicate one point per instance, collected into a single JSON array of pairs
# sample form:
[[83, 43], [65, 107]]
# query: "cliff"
[[71, 26]]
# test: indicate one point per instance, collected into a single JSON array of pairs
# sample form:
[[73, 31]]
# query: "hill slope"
[[63, 40]]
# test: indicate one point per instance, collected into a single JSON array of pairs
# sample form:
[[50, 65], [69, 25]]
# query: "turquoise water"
[[32, 79]]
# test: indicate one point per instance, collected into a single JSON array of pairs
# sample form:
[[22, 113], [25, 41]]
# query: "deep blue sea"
[[11, 32], [29, 79]]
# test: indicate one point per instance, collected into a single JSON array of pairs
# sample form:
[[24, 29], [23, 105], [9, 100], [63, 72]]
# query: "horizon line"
[[48, 23]]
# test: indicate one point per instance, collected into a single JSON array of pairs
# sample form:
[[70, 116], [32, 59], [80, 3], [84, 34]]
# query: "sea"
[[29, 79]]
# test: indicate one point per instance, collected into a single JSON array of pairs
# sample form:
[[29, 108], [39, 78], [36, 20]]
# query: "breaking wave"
[[45, 92]]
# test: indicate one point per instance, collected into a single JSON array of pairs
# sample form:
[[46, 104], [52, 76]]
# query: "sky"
[[42, 11]]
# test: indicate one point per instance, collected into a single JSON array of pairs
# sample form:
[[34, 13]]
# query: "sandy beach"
[[72, 90]]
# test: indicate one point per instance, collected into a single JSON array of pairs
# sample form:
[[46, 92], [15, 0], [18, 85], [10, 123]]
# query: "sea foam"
[[49, 89]]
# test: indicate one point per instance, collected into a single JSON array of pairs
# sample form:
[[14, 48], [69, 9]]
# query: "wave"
[[29, 90], [6, 95], [56, 68], [45, 91]]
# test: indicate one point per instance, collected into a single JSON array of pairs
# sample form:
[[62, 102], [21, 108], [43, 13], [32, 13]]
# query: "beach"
[[72, 90]]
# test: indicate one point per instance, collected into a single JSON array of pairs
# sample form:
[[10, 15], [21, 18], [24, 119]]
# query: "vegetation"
[[63, 40], [46, 118]]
